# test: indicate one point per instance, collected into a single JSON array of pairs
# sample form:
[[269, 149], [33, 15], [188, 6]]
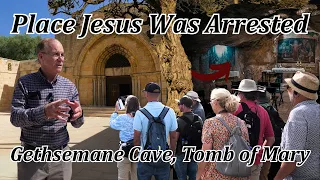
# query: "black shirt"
[[181, 129]]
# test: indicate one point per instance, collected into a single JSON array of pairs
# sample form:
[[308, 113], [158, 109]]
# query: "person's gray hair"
[[132, 104], [43, 44]]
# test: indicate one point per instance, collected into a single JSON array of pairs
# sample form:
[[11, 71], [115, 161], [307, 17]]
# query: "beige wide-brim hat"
[[247, 85], [304, 83], [193, 95]]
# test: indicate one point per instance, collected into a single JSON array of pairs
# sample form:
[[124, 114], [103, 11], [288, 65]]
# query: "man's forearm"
[[173, 140], [27, 117], [173, 146], [285, 169], [78, 122], [136, 141], [269, 141]]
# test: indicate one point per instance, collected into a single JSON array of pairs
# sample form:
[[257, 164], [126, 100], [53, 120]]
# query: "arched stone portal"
[[126, 61], [115, 67], [118, 79]]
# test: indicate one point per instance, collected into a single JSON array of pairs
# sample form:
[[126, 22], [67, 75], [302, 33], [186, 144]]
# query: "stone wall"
[[9, 71], [255, 58], [28, 66], [263, 56], [85, 61]]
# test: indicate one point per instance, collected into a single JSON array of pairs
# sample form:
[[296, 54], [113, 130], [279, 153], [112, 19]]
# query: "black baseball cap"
[[152, 88]]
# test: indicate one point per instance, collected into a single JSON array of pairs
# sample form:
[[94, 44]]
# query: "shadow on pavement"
[[107, 139]]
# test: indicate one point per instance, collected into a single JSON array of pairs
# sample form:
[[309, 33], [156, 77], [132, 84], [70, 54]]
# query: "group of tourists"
[[247, 114]]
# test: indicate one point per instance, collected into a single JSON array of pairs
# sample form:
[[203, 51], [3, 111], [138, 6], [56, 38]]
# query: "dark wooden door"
[[117, 86]]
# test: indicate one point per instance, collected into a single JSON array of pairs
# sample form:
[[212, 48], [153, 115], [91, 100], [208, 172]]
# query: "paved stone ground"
[[94, 134]]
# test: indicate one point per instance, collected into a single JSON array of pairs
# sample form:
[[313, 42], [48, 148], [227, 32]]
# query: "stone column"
[[76, 80], [94, 91], [99, 91], [160, 84], [138, 89], [103, 83], [134, 85]]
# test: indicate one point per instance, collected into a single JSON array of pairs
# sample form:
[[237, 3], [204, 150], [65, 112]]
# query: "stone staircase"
[[90, 111]]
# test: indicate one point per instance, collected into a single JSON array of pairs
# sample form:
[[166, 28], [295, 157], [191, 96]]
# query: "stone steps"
[[99, 111]]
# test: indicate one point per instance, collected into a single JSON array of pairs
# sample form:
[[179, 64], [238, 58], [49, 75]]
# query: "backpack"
[[276, 121], [156, 133], [237, 143], [192, 132], [253, 123]]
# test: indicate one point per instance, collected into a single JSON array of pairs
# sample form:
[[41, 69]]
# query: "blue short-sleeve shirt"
[[140, 122]]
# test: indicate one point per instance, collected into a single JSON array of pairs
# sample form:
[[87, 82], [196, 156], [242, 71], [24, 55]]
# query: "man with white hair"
[[302, 128], [197, 107]]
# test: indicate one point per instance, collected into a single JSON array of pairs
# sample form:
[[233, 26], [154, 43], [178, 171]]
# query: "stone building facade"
[[104, 67]]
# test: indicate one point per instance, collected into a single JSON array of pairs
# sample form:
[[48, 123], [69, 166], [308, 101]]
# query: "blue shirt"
[[302, 133], [140, 122], [123, 123]]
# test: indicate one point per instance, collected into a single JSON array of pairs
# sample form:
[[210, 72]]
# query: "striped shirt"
[[302, 133], [123, 123], [31, 94]]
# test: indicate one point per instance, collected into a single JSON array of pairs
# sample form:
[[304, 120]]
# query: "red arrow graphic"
[[223, 69]]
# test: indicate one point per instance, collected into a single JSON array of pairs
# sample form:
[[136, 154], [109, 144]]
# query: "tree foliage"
[[134, 8], [18, 47], [283, 3]]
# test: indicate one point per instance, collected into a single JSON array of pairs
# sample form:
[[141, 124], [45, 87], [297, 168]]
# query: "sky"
[[10, 7]]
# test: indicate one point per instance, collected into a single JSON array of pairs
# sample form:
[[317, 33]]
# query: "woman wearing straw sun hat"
[[302, 129]]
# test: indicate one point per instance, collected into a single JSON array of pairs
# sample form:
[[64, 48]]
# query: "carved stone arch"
[[90, 65], [96, 38], [108, 52]]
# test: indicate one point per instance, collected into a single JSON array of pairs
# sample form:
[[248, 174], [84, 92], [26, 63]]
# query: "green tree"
[[18, 47]]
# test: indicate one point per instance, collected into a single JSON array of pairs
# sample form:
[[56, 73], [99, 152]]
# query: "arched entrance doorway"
[[118, 79], [94, 66]]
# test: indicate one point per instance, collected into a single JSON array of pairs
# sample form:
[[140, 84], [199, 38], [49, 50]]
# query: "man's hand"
[[76, 108], [56, 110], [116, 107]]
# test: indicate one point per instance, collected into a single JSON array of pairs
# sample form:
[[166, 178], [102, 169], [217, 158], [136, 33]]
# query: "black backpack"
[[253, 123], [192, 132], [276, 121]]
